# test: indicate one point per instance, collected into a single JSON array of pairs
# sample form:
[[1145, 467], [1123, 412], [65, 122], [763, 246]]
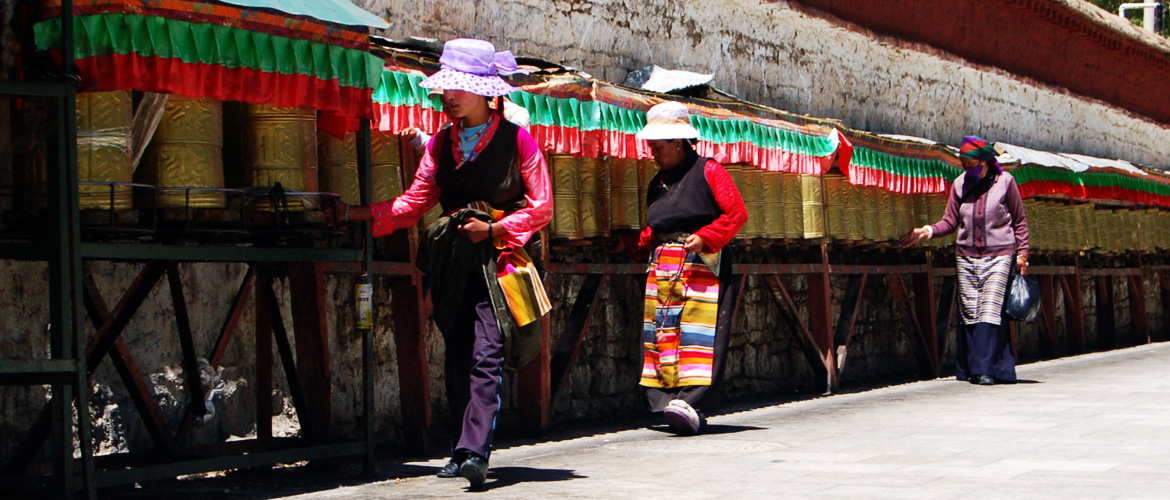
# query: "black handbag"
[[1023, 298]]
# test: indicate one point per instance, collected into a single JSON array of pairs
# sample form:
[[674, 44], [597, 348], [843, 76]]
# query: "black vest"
[[681, 201], [493, 177]]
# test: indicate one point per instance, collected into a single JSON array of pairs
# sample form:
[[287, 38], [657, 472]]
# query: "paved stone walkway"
[[1093, 426]]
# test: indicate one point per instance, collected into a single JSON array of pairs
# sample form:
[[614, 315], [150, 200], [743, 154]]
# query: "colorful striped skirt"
[[678, 334], [982, 286]]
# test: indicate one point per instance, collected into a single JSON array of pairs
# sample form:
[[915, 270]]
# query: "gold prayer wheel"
[[594, 198], [103, 152], [338, 165], [921, 210], [647, 169], [903, 214], [854, 212], [753, 200], [104, 120], [385, 165], [773, 204], [566, 184], [735, 170], [836, 221], [812, 199], [885, 206], [623, 195], [871, 224], [186, 152], [938, 207], [793, 206], [1037, 229], [277, 145]]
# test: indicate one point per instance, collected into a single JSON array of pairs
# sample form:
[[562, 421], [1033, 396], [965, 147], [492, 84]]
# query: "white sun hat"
[[666, 121]]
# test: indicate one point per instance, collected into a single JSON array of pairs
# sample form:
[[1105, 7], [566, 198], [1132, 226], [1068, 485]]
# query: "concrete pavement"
[[1093, 426]]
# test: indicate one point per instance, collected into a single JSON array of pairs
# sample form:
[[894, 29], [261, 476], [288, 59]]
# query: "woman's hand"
[[694, 244], [1022, 263], [914, 236], [476, 230]]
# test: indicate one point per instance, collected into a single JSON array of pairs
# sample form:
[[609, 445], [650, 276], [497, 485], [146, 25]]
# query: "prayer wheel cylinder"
[[104, 120], [812, 199], [753, 200], [886, 217], [278, 145], [594, 198], [338, 166], [623, 196], [647, 169], [385, 165], [938, 207], [854, 212], [921, 210], [1036, 228], [103, 152], [903, 214], [566, 183], [186, 152], [773, 204], [793, 206], [871, 225], [836, 221]]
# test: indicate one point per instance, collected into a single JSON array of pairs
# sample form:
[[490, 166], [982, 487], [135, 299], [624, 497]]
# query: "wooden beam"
[[186, 343], [850, 305], [915, 333], [306, 283], [123, 362], [1074, 317], [287, 360], [534, 381], [1164, 291], [1138, 318], [1106, 324], [263, 364], [808, 344], [1047, 316], [924, 312], [574, 331], [409, 314], [946, 309], [233, 318], [820, 316]]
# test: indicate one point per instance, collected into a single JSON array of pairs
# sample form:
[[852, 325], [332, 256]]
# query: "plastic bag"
[[1023, 298]]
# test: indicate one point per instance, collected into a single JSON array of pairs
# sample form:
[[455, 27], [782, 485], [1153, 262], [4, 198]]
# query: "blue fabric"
[[984, 349], [469, 138]]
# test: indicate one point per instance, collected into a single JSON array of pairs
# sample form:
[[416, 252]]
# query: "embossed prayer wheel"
[[1037, 228], [647, 169], [938, 206], [385, 165], [103, 152], [623, 194], [793, 206], [903, 214], [186, 152], [921, 210], [887, 223], [753, 200], [277, 145], [594, 198], [871, 224], [773, 204], [836, 221], [338, 165], [812, 199], [566, 184], [104, 120], [854, 212]]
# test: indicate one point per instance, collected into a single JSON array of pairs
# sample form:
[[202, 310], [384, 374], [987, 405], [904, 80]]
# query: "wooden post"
[[820, 321], [1106, 326], [409, 318], [924, 310], [534, 382], [1074, 317], [263, 352], [1047, 316], [1138, 319], [311, 331]]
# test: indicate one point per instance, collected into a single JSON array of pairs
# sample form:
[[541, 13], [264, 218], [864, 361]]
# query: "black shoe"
[[974, 379], [474, 469], [986, 380], [449, 470]]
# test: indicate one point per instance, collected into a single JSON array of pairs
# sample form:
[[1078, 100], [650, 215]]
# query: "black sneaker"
[[449, 470], [474, 469], [986, 380]]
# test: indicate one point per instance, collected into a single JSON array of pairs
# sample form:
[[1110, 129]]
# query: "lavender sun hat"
[[473, 66]]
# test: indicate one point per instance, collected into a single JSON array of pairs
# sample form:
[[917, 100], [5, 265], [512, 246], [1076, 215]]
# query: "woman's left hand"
[[694, 244], [1022, 263], [475, 230]]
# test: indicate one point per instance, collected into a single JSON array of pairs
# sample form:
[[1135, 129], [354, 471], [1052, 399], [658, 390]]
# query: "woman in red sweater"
[[694, 210]]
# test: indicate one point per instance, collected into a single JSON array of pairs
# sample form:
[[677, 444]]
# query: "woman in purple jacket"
[[986, 209]]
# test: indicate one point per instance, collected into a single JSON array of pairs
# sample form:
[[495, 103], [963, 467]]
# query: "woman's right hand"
[[914, 236]]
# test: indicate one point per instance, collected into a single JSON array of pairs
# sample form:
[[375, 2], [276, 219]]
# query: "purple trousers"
[[473, 373]]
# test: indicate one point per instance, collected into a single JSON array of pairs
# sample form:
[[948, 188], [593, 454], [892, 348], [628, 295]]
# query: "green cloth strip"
[[398, 88], [1094, 179], [903, 166], [197, 43]]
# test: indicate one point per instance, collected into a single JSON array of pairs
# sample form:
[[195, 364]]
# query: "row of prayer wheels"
[[189, 163], [1056, 225]]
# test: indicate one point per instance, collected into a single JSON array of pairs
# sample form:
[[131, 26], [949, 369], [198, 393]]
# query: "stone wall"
[[772, 53]]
